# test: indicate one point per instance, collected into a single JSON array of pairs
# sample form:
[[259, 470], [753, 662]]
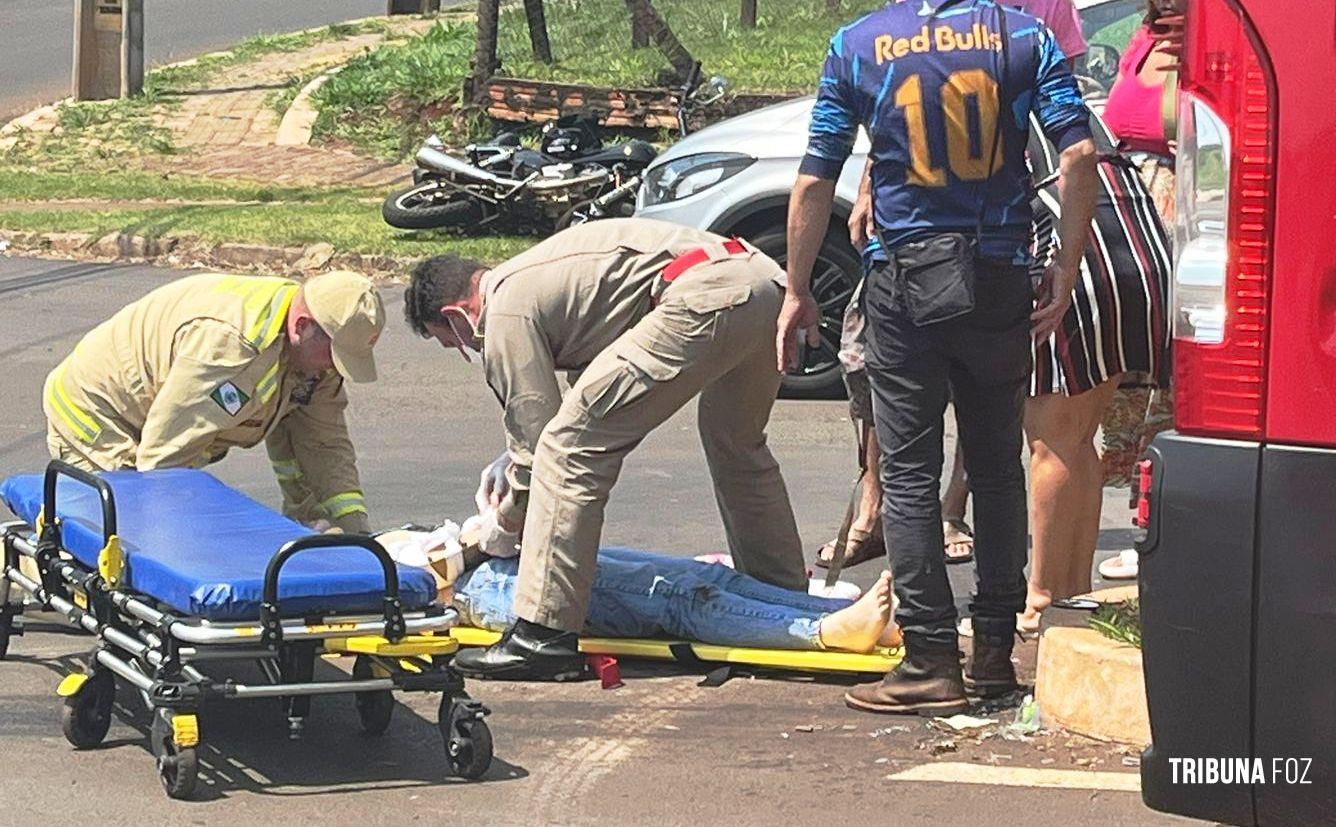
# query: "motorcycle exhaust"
[[595, 176], [438, 161]]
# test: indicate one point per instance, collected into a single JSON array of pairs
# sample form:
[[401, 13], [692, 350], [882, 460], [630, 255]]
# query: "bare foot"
[[891, 638], [858, 628]]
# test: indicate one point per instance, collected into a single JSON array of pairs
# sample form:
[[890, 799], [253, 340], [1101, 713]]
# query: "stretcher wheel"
[[374, 709], [178, 767], [468, 740], [86, 716]]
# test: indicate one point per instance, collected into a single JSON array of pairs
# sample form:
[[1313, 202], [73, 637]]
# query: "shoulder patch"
[[229, 397]]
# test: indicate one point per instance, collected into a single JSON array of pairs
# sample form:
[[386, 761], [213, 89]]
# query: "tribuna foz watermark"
[[1240, 770]]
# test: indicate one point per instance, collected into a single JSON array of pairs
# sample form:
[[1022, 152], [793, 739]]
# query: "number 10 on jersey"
[[968, 139]]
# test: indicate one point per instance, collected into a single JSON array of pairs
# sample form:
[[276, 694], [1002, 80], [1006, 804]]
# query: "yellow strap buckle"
[[111, 562]]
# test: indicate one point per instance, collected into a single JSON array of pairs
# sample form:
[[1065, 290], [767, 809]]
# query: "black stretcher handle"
[[270, 618], [56, 469]]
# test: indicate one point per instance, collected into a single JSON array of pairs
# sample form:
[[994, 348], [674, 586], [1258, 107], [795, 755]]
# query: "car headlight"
[[691, 174]]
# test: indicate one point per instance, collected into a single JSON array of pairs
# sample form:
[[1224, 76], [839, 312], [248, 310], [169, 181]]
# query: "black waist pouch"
[[934, 278]]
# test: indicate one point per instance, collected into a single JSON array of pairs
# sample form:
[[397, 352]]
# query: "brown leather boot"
[[991, 673], [927, 682]]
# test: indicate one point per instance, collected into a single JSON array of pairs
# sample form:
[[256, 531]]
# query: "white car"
[[734, 178]]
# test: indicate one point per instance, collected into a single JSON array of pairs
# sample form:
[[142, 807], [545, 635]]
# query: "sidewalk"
[[229, 129]]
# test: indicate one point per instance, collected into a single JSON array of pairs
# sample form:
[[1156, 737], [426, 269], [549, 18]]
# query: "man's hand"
[[798, 313], [860, 221], [493, 485], [1052, 299]]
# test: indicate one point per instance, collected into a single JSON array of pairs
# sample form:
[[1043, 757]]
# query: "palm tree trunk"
[[648, 19], [484, 63], [748, 14], [542, 47]]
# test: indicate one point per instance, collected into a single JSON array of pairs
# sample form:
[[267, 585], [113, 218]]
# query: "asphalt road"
[[37, 36], [660, 750]]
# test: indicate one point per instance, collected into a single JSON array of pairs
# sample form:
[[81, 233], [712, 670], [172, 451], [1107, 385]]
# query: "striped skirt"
[[1118, 322]]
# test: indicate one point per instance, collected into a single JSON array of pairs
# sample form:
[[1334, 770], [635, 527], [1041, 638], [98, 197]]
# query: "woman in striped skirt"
[[1115, 334]]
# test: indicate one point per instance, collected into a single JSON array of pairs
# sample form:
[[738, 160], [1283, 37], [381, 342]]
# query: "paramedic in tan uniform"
[[212, 362], [650, 315]]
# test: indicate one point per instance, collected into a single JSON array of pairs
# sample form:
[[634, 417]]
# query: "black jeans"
[[984, 359]]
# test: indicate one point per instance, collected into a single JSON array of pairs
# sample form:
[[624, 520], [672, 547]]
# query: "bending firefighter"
[[212, 362], [650, 315]]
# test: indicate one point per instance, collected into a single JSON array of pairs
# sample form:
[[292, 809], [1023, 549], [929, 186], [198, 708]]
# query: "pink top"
[[1062, 18], [1133, 111]]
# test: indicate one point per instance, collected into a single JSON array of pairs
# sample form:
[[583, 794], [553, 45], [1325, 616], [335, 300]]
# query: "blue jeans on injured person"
[[640, 594]]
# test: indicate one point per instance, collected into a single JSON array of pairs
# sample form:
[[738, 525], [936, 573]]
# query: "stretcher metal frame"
[[158, 652]]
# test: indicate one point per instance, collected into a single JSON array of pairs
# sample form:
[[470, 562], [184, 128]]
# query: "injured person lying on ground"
[[640, 594]]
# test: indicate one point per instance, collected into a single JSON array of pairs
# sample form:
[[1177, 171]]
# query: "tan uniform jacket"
[[195, 368], [559, 304]]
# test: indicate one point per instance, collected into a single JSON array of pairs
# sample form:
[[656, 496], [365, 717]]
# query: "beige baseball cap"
[[348, 308]]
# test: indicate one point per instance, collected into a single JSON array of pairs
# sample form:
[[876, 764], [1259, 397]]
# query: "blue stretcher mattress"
[[201, 547]]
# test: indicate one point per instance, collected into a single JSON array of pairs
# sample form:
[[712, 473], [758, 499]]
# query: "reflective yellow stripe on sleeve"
[[341, 505], [286, 470], [266, 328], [85, 427], [264, 389]]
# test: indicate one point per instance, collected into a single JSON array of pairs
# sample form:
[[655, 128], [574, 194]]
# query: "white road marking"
[[962, 773]]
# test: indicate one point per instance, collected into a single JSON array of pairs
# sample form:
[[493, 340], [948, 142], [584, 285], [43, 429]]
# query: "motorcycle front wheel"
[[428, 206]]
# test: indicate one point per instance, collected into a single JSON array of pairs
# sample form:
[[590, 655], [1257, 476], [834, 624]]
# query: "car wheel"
[[834, 276]]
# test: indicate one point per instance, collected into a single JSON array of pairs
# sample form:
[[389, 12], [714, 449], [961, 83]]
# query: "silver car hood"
[[776, 131]]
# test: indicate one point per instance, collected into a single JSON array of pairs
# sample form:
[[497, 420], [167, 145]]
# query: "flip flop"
[[1121, 566], [957, 532], [862, 546]]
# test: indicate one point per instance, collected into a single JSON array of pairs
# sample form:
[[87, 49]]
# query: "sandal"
[[860, 547], [957, 533], [1121, 566]]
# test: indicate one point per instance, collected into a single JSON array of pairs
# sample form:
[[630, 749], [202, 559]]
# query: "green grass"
[[29, 184], [388, 101], [591, 42], [385, 101], [1119, 621], [349, 226]]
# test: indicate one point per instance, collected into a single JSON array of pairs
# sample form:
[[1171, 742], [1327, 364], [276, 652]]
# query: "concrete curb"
[[298, 122], [1089, 684], [192, 252]]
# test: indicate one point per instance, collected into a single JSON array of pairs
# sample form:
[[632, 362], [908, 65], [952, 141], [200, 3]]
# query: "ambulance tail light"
[[1223, 224]]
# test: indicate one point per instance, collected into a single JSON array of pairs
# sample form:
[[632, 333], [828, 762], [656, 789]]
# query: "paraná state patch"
[[229, 397]]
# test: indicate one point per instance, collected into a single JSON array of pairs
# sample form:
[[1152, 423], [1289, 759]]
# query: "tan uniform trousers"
[[688, 346]]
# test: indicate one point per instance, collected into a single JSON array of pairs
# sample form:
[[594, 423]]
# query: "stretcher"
[[175, 573], [725, 661]]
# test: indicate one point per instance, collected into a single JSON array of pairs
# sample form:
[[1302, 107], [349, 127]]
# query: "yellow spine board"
[[881, 660]]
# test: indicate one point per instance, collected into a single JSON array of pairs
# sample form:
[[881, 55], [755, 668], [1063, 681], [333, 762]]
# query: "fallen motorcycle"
[[504, 186]]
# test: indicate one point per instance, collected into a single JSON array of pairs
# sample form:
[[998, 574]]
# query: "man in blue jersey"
[[944, 89]]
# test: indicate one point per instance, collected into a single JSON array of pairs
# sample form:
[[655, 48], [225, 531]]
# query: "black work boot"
[[991, 673], [526, 652], [927, 682]]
